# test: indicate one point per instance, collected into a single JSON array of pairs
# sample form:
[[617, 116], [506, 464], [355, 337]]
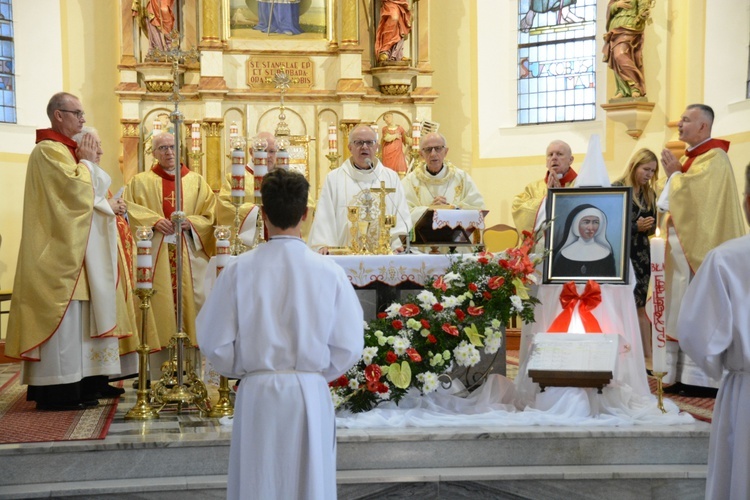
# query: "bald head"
[[559, 158], [270, 149]]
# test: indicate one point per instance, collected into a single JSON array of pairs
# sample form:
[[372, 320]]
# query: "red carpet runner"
[[21, 422]]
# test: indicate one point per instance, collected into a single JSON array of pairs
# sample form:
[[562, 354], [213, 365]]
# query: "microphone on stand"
[[369, 163]]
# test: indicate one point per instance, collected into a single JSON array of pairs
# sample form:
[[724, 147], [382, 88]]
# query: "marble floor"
[[184, 456]]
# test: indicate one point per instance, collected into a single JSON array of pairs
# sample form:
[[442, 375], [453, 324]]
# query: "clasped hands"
[[167, 227]]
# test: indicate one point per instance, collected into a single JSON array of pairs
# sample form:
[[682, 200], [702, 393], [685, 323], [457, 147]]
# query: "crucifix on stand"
[[385, 221], [179, 384]]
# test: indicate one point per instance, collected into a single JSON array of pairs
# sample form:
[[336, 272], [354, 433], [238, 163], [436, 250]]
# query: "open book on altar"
[[445, 226], [573, 359]]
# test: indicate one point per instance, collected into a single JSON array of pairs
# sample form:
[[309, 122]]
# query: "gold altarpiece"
[[335, 80]]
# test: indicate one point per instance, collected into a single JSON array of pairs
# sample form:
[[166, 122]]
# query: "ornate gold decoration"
[[131, 129], [159, 86], [349, 23], [213, 127], [395, 89]]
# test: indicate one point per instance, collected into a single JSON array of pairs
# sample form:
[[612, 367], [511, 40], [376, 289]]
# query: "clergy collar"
[[699, 144], [435, 174]]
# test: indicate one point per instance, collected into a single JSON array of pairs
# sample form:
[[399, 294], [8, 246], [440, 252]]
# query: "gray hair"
[[58, 101], [84, 131]]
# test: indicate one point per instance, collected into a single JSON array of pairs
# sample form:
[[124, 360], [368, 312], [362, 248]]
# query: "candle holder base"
[[660, 390]]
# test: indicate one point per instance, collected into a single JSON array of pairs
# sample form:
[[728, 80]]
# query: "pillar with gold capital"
[[130, 139], [210, 23], [212, 128], [349, 23], [346, 127]]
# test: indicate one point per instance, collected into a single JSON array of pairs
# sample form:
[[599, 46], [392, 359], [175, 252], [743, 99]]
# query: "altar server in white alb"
[[285, 320], [438, 182], [714, 329], [350, 185]]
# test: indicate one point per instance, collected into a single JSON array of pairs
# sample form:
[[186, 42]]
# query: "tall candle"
[[156, 129], [222, 255], [282, 159], [658, 297], [415, 136], [333, 140], [234, 130], [260, 169], [195, 135], [144, 271]]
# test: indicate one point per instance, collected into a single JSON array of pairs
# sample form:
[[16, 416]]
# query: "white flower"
[[425, 333], [466, 354], [393, 309], [337, 400], [450, 277], [437, 360], [368, 354], [533, 278], [493, 341], [517, 303], [429, 381], [495, 323], [366, 326], [384, 396], [426, 299], [451, 301], [400, 345], [353, 384]]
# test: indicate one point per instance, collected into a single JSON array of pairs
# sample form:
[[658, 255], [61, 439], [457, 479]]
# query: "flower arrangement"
[[449, 323]]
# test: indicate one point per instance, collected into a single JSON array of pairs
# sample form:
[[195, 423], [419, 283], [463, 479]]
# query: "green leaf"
[[474, 336], [400, 375]]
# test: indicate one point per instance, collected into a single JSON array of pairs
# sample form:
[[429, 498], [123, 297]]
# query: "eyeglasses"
[[79, 114], [430, 149], [164, 149], [361, 144]]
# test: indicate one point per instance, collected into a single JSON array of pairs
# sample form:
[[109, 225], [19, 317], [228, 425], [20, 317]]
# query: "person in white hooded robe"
[[714, 330], [285, 321]]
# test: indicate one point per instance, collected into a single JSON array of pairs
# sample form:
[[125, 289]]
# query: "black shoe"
[[674, 388], [90, 403], [109, 391], [66, 406], [695, 391]]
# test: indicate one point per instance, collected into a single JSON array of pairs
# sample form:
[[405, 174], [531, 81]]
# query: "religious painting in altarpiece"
[[260, 19]]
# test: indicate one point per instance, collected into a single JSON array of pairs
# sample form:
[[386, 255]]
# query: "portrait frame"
[[573, 257]]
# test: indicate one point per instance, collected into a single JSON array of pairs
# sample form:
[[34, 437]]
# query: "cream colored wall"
[[673, 81]]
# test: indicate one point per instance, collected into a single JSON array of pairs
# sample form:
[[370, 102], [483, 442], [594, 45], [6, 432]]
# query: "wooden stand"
[[558, 378]]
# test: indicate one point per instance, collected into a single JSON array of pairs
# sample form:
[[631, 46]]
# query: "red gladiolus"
[[475, 311], [460, 314], [425, 324], [431, 338], [473, 287], [437, 307], [504, 263], [483, 260], [397, 324], [391, 357], [409, 310], [487, 295], [382, 388], [450, 329], [440, 284], [373, 373], [382, 315], [495, 282], [414, 355], [377, 387]]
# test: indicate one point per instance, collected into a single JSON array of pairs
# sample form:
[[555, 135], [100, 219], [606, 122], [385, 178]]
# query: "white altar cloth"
[[393, 270], [457, 218]]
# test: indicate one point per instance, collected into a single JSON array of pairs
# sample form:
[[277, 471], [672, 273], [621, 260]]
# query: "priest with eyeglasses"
[[355, 184]]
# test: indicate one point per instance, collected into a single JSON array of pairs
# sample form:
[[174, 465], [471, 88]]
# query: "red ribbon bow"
[[569, 298]]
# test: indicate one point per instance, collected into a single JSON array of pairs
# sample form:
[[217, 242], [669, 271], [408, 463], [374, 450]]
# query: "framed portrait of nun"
[[588, 237]]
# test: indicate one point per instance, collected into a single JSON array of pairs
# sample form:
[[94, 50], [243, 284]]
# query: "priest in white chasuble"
[[354, 184], [151, 202], [296, 325], [438, 182], [63, 311]]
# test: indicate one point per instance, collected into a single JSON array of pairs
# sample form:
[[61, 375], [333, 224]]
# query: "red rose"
[[504, 263], [437, 307], [409, 310], [373, 373], [431, 338], [397, 324], [382, 388], [414, 355], [483, 260], [487, 295], [475, 311], [460, 314], [391, 357], [425, 324], [440, 284], [473, 287], [342, 381], [382, 315], [450, 329], [495, 282]]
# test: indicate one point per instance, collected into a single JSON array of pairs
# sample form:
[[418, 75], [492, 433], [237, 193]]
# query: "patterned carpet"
[[700, 408], [21, 422]]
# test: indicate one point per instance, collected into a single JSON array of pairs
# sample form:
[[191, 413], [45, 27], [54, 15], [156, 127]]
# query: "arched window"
[[7, 64], [556, 61]]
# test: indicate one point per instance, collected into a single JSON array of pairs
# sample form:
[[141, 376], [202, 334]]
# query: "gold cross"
[[171, 199], [382, 192]]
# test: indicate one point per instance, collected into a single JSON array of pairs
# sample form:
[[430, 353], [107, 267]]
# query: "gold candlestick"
[[660, 390], [352, 213], [224, 406], [333, 159]]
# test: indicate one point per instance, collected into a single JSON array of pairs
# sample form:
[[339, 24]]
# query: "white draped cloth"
[[714, 330], [348, 186], [285, 320], [77, 349]]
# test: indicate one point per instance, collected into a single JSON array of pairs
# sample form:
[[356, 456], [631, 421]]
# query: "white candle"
[[238, 172], [144, 272], [234, 130], [415, 136], [156, 129], [333, 140], [260, 168], [222, 255], [282, 159], [658, 334], [195, 135]]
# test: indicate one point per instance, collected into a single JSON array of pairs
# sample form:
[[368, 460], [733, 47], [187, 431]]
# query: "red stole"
[[47, 134], [167, 189], [569, 177], [704, 148]]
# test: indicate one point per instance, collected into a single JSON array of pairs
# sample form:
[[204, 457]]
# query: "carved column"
[[212, 128], [131, 135], [332, 23], [129, 30], [346, 127], [349, 22], [211, 36]]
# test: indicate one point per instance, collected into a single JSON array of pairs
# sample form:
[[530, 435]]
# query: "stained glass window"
[[7, 64], [556, 61]]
